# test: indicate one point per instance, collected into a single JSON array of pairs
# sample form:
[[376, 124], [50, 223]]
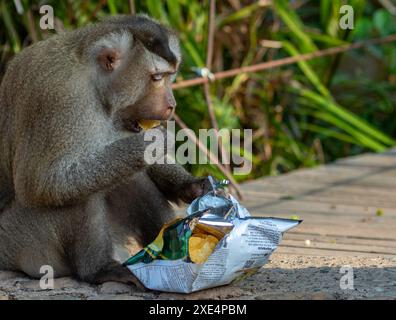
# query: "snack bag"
[[219, 242]]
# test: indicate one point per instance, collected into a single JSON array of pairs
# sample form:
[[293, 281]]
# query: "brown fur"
[[71, 175]]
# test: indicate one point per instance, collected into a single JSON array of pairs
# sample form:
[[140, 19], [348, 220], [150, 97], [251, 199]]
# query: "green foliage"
[[302, 114]]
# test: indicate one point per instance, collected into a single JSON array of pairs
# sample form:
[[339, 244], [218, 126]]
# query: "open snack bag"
[[219, 242]]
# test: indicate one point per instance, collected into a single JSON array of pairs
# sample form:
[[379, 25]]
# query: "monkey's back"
[[27, 82]]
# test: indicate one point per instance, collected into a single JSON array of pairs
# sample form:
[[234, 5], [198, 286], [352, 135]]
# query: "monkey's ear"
[[109, 59]]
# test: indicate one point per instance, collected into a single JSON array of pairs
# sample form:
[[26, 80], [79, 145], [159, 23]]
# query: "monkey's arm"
[[176, 183], [39, 182]]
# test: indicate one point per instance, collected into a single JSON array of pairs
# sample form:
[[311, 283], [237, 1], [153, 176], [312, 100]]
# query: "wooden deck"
[[348, 207]]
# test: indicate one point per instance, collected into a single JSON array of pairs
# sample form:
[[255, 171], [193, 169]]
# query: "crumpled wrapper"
[[243, 245]]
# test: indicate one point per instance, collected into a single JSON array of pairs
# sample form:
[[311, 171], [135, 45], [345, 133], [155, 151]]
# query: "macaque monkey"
[[73, 179]]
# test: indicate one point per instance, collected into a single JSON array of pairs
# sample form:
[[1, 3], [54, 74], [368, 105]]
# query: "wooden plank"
[[331, 197], [371, 242], [303, 186], [269, 202], [321, 177], [324, 252], [351, 231], [328, 223], [335, 236], [338, 203], [340, 246]]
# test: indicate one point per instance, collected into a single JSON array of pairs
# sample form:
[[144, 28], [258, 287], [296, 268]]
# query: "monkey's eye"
[[157, 77]]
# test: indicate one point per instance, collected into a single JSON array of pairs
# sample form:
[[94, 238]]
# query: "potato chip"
[[149, 124], [201, 246]]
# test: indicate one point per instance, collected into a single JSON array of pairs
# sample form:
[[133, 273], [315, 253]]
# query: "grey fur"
[[73, 181]]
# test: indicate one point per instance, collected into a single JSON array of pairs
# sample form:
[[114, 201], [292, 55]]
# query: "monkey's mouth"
[[131, 125], [139, 125], [134, 126]]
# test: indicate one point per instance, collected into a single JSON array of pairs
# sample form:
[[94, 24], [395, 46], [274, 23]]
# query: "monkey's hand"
[[176, 183], [192, 190], [70, 179]]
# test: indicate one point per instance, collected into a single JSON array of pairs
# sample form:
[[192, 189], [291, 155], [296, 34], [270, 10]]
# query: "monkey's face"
[[138, 80], [155, 100]]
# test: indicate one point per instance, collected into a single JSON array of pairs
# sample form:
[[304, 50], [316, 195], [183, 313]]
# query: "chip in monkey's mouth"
[[148, 124], [139, 125]]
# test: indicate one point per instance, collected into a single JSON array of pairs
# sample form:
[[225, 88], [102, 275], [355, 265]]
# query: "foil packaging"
[[244, 245]]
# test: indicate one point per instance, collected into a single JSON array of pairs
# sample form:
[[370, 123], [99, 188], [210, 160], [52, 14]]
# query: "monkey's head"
[[135, 65]]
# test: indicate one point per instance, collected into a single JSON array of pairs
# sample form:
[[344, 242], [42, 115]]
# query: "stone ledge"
[[285, 277]]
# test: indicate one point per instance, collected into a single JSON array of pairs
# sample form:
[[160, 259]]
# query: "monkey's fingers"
[[206, 186], [196, 189]]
